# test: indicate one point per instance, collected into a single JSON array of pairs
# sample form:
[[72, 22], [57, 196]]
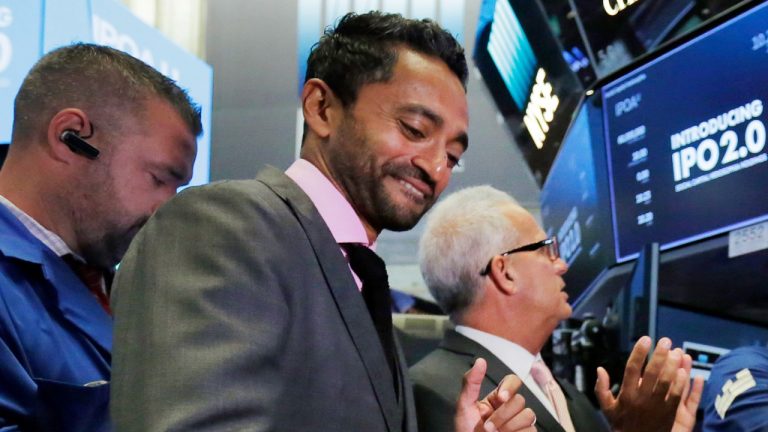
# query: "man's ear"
[[503, 275], [319, 105], [68, 119]]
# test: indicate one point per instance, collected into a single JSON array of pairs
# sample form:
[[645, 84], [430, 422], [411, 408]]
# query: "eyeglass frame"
[[553, 251]]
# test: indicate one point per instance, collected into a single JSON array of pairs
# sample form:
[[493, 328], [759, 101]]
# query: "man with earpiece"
[[100, 140]]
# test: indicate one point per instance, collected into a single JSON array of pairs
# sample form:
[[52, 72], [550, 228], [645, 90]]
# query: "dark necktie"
[[92, 277], [371, 270]]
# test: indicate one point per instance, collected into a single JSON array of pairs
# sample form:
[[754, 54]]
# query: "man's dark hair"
[[107, 84], [362, 49]]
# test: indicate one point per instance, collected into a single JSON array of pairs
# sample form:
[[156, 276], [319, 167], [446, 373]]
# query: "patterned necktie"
[[371, 270], [546, 381], [92, 277]]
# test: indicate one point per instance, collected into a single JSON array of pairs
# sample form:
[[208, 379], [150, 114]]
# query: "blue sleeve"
[[736, 393]]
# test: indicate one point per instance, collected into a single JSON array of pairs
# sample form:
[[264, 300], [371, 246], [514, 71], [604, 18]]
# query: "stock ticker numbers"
[[643, 197], [748, 239], [638, 151]]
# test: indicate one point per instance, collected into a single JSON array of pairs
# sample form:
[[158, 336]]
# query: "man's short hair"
[[362, 49], [105, 83], [463, 232]]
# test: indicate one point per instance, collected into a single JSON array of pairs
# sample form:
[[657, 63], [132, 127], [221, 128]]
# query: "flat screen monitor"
[[533, 87], [685, 136], [574, 201], [633, 311], [625, 313], [653, 20], [704, 336]]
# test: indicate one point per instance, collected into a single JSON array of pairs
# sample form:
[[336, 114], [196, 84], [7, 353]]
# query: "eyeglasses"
[[552, 250]]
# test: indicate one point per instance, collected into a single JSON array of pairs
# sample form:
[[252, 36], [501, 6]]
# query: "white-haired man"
[[492, 268]]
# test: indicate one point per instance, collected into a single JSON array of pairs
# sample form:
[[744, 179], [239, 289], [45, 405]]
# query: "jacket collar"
[[72, 297]]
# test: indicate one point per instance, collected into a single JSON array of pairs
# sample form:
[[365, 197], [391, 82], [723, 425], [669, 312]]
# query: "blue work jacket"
[[55, 340], [735, 396]]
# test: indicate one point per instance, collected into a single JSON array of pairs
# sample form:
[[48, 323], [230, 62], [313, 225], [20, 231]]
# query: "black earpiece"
[[79, 145]]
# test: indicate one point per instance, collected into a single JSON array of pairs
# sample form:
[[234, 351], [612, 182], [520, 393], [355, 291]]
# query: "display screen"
[[617, 32], [534, 88], [685, 136], [705, 337], [574, 201], [634, 308]]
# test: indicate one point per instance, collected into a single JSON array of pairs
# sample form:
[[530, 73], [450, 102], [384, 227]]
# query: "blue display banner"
[[65, 22], [114, 25], [20, 46], [30, 28]]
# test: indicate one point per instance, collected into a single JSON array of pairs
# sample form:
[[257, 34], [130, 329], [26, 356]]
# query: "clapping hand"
[[657, 399], [501, 410]]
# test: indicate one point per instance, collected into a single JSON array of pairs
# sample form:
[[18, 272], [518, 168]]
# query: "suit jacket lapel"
[[344, 291], [497, 370], [406, 399], [578, 416]]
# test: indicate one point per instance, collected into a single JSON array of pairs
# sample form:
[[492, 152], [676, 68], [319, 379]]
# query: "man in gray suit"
[[236, 307], [506, 305]]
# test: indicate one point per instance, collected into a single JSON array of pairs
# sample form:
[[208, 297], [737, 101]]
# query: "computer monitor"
[[629, 312], [574, 201], [685, 134], [532, 85], [706, 337], [632, 314]]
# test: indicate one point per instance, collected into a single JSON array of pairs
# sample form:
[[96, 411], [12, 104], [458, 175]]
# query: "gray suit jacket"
[[235, 310], [437, 382]]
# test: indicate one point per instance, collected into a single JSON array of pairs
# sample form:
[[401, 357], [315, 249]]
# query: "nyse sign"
[[613, 7], [541, 108]]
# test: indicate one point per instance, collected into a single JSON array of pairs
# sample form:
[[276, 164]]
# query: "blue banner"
[[20, 47], [30, 28], [114, 25], [65, 22]]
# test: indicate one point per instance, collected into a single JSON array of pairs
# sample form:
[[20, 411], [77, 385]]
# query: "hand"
[[647, 401], [685, 419], [501, 410]]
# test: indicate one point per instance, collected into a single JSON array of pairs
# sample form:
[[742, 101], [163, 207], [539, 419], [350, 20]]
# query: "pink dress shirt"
[[336, 211]]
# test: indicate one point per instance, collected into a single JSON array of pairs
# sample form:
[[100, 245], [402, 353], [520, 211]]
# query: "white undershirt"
[[49, 238]]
